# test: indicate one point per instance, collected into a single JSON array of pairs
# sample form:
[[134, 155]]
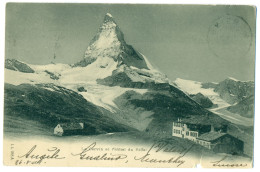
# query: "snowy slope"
[[17, 78], [72, 78], [194, 87]]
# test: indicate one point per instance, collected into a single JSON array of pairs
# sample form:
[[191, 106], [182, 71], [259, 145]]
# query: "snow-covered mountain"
[[109, 44], [107, 56], [234, 91], [109, 52], [232, 99], [115, 83]]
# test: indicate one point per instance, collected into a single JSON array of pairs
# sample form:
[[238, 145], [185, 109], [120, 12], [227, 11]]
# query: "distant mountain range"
[[232, 90], [114, 88], [231, 94]]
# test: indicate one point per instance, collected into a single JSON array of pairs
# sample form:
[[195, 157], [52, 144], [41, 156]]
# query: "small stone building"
[[65, 129]]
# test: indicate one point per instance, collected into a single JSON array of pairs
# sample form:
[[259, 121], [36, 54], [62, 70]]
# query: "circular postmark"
[[230, 36]]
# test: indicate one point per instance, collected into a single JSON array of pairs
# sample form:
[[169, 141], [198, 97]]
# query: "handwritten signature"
[[164, 147], [221, 163], [86, 154], [31, 157]]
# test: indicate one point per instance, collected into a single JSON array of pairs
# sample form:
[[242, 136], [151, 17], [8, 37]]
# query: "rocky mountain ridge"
[[109, 43], [228, 96], [233, 90]]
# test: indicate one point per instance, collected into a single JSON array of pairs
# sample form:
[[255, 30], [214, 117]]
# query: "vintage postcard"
[[129, 85]]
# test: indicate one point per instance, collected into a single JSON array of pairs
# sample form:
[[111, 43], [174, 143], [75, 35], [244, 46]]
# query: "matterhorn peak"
[[109, 43], [108, 17], [108, 14]]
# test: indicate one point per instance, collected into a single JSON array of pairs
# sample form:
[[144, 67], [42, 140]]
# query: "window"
[[187, 133], [193, 134], [178, 124]]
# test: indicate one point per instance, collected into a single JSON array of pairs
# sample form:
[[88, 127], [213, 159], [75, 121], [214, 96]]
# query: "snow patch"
[[102, 95], [152, 74], [233, 79], [108, 14], [47, 88], [89, 73], [17, 78], [194, 87], [54, 68], [148, 63], [107, 40]]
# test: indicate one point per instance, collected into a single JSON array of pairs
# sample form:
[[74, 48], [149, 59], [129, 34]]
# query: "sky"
[[196, 42]]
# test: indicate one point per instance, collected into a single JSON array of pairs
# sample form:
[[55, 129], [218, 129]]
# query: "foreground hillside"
[[46, 105]]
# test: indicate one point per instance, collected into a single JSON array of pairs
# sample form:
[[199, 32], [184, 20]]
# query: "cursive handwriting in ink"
[[164, 147], [85, 154], [221, 163], [35, 158]]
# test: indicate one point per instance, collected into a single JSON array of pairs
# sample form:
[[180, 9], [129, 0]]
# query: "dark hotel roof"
[[70, 126], [205, 120], [211, 136]]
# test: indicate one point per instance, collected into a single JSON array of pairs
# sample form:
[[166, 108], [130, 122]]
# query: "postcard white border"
[[66, 169]]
